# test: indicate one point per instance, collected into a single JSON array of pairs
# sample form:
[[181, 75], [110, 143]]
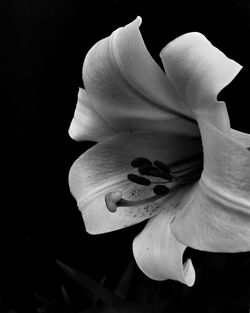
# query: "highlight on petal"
[[129, 90], [199, 71], [241, 138], [87, 124], [159, 255], [216, 213], [101, 174]]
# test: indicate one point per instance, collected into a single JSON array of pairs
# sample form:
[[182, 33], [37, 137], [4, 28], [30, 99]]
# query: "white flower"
[[165, 151]]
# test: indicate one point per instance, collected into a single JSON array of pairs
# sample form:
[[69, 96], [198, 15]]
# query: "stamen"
[[161, 166], [192, 176], [153, 171], [192, 172], [157, 173], [140, 161], [145, 169], [162, 182], [161, 190], [189, 168], [139, 180]]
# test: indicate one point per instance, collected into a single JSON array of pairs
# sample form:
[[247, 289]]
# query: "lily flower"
[[165, 151]]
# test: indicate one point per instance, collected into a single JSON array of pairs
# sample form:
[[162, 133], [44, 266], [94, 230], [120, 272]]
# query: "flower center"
[[171, 177]]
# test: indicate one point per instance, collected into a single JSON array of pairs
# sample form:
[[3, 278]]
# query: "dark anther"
[[139, 180], [146, 169], [140, 161], [248, 148], [160, 190], [160, 174], [161, 166]]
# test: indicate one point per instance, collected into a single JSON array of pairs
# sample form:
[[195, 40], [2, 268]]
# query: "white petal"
[[159, 255], [240, 137], [104, 168], [129, 90], [200, 71], [87, 124], [216, 216]]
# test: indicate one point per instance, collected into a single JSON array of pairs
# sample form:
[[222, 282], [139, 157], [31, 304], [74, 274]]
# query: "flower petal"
[[159, 255], [216, 213], [87, 124], [199, 72], [129, 90], [104, 167], [241, 138]]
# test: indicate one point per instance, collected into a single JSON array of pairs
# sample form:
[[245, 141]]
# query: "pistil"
[[114, 200], [139, 180]]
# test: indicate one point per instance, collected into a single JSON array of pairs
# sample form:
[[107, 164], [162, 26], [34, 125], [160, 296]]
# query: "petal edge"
[[159, 255]]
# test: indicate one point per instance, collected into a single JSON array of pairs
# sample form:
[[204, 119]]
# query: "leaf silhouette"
[[124, 283], [90, 285]]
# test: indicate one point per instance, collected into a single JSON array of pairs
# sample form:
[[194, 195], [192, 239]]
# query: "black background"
[[43, 44]]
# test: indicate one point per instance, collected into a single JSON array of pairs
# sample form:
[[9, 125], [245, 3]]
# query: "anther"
[[139, 180], [160, 190], [160, 174], [140, 161], [145, 169], [111, 199], [161, 166]]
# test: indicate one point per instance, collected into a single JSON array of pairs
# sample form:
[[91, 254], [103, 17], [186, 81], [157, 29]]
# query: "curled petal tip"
[[138, 20], [73, 131], [189, 273], [191, 36]]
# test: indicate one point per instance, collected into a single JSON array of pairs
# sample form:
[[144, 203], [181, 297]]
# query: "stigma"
[[112, 199]]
